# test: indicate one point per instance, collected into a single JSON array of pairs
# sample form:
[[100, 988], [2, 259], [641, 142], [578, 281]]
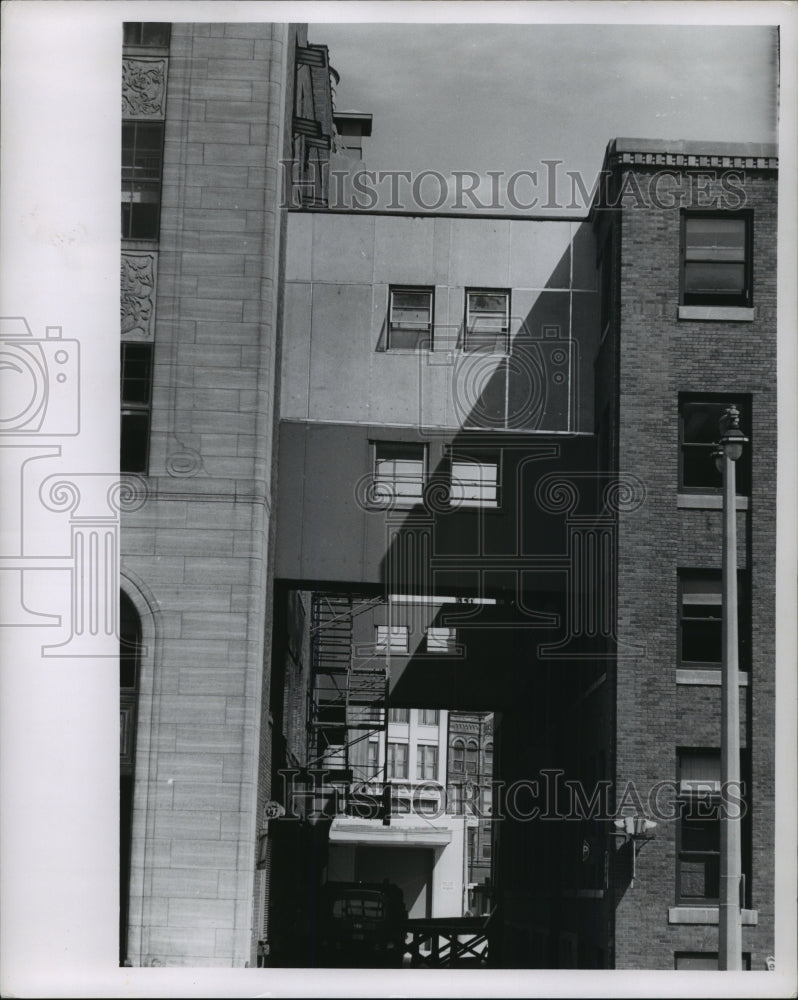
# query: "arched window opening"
[[129, 667]]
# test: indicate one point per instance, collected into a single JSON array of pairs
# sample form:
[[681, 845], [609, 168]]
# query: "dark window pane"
[[488, 302], [149, 137], [698, 835], [134, 441], [700, 432], [699, 876], [715, 233], [696, 962], [143, 222], [410, 320], [128, 143], [702, 641], [714, 278], [130, 641], [716, 261], [702, 422], [155, 33], [412, 303], [131, 32], [699, 469], [136, 365]]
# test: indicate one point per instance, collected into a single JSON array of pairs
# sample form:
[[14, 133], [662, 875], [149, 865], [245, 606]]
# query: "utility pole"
[[730, 943]]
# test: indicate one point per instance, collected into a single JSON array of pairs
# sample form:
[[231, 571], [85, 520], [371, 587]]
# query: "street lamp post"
[[730, 943]]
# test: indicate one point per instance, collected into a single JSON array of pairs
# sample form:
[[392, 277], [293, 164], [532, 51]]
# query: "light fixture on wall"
[[637, 831]]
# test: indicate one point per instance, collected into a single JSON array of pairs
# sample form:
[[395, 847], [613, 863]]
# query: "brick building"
[[470, 781], [692, 327], [491, 433]]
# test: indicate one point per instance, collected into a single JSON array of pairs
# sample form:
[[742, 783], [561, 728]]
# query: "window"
[[701, 619], [399, 715], [458, 756], [489, 759], [428, 716], [136, 389], [441, 640], [142, 150], [700, 961], [393, 640], [129, 642], [426, 763], [410, 319], [153, 34], [471, 758], [606, 282], [372, 759], [716, 259], [130, 651], [485, 848], [399, 472], [397, 760], [698, 866], [475, 483], [699, 772], [487, 322], [699, 432]]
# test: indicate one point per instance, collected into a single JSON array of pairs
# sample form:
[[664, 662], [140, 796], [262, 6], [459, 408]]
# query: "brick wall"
[[658, 357]]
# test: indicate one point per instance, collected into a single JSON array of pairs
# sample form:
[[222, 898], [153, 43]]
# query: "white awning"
[[375, 834]]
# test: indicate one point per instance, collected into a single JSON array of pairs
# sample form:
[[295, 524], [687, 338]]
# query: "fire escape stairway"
[[349, 691]]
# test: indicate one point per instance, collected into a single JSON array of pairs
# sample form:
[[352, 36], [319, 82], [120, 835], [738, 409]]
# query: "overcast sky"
[[505, 97]]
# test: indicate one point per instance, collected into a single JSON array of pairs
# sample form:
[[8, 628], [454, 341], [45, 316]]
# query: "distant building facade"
[[470, 782]]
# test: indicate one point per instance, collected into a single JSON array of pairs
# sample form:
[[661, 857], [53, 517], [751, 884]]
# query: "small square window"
[[441, 640], [399, 473], [475, 482], [487, 321], [392, 640], [410, 319], [716, 259], [699, 432]]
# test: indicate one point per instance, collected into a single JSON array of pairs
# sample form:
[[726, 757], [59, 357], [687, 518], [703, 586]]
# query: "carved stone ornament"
[[137, 295], [143, 88]]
